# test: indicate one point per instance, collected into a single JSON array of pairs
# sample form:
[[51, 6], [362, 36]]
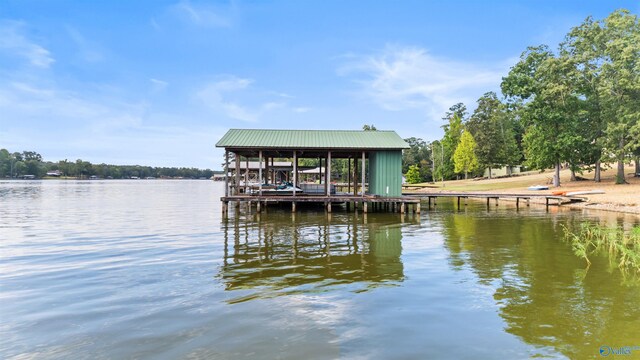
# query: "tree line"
[[19, 164], [577, 106]]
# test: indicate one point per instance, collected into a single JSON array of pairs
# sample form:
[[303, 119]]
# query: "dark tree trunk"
[[637, 166], [620, 176], [573, 175], [596, 177], [556, 177], [489, 172]]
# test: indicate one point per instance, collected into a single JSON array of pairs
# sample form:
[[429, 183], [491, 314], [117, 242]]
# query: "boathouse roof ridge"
[[312, 139]]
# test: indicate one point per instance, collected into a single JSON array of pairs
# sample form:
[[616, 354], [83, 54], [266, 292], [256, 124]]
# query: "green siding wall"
[[385, 170]]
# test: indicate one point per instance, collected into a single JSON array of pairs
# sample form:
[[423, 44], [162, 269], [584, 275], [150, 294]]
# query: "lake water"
[[148, 269]]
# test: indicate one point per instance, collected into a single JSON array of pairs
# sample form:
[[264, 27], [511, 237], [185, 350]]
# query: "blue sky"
[[159, 82]]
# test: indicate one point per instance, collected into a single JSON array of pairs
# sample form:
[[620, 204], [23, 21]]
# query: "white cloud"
[[14, 42], [404, 78], [216, 95], [88, 50], [158, 85], [62, 123], [203, 15]]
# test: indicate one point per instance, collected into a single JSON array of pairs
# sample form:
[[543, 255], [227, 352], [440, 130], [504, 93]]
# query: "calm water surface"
[[148, 269]]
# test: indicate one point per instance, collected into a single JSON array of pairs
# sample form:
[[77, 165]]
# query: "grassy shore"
[[621, 198]]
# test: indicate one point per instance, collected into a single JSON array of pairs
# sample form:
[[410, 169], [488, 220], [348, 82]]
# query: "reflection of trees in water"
[[277, 253], [547, 297]]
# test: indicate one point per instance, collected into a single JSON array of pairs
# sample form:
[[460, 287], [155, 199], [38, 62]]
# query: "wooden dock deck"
[[559, 200], [399, 204]]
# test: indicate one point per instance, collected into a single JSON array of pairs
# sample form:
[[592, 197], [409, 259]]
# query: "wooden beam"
[[246, 175], [328, 185], [266, 169], [348, 177], [295, 171], [363, 170], [237, 174], [226, 172], [259, 176]]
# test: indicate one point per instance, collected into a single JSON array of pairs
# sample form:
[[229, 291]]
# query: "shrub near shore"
[[622, 246]]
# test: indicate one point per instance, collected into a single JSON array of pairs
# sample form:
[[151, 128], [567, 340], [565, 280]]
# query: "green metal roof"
[[311, 139]]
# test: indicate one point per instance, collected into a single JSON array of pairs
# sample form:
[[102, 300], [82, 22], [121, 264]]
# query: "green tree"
[[417, 154], [413, 175], [5, 163], [491, 125], [606, 55], [550, 111], [620, 86], [459, 109], [369, 128], [464, 157], [438, 166], [452, 134], [580, 46]]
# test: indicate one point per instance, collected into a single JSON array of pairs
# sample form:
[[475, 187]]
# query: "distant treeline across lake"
[[21, 164]]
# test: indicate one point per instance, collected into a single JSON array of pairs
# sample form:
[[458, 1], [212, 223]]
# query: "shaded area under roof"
[[354, 140]]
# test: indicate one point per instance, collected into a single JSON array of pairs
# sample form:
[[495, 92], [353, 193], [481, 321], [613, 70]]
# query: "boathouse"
[[377, 154]]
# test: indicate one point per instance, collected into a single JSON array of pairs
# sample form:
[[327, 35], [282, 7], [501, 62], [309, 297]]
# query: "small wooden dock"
[[558, 200], [402, 204]]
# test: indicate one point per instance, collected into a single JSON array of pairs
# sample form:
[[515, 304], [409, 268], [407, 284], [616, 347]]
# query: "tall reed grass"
[[623, 246]]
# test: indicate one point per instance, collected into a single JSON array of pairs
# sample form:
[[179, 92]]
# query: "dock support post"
[[295, 172], [418, 207], [496, 201], [260, 177], [402, 208], [237, 182], [488, 198], [458, 202], [363, 171], [258, 206], [327, 184], [246, 175], [225, 208], [348, 179], [226, 172], [517, 203], [293, 206], [364, 206]]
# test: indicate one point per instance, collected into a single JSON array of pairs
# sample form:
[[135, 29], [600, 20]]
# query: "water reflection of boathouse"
[[302, 254]]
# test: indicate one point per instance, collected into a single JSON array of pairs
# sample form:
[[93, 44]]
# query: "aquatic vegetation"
[[623, 246]]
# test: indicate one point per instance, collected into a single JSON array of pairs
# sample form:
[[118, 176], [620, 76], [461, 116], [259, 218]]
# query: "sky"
[[158, 83]]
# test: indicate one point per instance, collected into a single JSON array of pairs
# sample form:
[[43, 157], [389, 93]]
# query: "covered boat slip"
[[373, 158]]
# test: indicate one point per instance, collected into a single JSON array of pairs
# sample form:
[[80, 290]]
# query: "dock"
[[549, 199], [400, 204], [371, 171]]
